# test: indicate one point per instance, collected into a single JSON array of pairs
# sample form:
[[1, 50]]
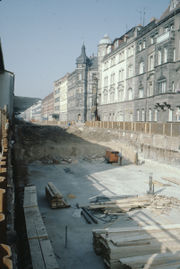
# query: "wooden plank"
[[150, 260], [54, 197], [34, 224], [172, 180], [139, 239], [36, 254], [153, 246], [54, 190], [30, 197], [48, 254], [2, 192], [137, 229]]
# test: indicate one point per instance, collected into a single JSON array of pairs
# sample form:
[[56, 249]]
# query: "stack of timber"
[[123, 204], [54, 197], [138, 247], [41, 251]]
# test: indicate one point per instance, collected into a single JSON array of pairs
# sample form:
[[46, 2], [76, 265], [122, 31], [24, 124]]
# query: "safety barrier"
[[166, 129]]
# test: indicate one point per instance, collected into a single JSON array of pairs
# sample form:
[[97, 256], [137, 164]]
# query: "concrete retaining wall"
[[155, 141]]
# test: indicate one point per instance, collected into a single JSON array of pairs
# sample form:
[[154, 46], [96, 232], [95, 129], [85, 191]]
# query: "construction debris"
[[138, 247], [172, 180], [54, 196], [122, 205]]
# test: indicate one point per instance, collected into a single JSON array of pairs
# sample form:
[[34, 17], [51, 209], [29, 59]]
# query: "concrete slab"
[[80, 182]]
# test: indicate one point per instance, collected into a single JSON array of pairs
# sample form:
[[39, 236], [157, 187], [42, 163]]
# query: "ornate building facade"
[[139, 73], [82, 89]]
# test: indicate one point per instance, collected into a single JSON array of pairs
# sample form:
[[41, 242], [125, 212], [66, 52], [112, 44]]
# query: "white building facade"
[[116, 77]]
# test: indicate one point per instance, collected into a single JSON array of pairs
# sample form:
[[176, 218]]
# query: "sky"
[[41, 39]]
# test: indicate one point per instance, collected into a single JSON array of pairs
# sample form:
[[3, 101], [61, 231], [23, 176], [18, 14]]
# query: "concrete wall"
[[156, 141]]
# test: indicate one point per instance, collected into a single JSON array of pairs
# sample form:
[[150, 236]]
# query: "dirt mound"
[[53, 144]]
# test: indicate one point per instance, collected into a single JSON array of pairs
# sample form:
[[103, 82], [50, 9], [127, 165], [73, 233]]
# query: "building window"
[[57, 99], [113, 61], [120, 116], [178, 114], [140, 47], [116, 44], [80, 77], [141, 68], [172, 27], [112, 96], [105, 81], [138, 114], [144, 44], [159, 57], [142, 115], [130, 71], [121, 56], [152, 40], [162, 86], [131, 116], [173, 86], [121, 75], [170, 115], [130, 94], [113, 78], [105, 97], [141, 93], [166, 29], [165, 55], [150, 114], [121, 93], [151, 62], [150, 89], [155, 115]]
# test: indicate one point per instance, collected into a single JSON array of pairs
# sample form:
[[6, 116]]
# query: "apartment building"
[[117, 77], [47, 109], [60, 98], [139, 72]]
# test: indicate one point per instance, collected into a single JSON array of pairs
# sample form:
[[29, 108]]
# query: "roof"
[[94, 63], [105, 40], [82, 59]]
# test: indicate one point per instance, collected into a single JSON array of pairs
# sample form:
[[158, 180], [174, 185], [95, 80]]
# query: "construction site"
[[89, 162], [92, 195]]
